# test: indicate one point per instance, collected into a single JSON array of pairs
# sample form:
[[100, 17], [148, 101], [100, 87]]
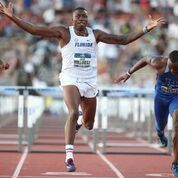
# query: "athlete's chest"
[[83, 43], [169, 80]]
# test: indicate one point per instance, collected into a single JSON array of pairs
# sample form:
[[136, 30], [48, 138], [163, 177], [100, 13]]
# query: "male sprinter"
[[166, 97]]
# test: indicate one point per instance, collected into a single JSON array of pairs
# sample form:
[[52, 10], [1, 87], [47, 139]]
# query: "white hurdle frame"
[[30, 125], [18, 92], [106, 94], [25, 123]]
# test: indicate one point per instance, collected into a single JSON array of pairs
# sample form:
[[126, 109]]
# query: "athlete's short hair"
[[173, 56], [79, 8]]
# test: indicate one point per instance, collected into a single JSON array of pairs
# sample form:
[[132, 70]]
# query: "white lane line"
[[20, 164], [51, 177], [160, 175], [66, 173], [111, 166]]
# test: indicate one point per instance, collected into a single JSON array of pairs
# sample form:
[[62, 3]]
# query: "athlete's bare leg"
[[88, 106], [72, 99]]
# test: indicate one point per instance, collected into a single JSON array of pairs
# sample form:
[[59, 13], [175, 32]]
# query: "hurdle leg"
[[20, 121]]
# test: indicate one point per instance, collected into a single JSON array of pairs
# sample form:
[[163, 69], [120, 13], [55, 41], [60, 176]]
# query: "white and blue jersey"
[[79, 63], [79, 58], [166, 98]]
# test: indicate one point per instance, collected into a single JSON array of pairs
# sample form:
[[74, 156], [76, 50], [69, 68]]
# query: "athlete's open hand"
[[7, 10], [122, 78], [155, 22], [3, 66]]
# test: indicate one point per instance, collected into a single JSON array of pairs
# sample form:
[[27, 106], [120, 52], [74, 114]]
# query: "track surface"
[[38, 165], [89, 165]]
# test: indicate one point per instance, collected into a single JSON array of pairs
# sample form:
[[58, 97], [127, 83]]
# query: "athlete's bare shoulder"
[[98, 33], [64, 36], [159, 60], [62, 30], [159, 63]]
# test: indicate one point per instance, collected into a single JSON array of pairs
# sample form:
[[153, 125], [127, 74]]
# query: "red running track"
[[51, 165]]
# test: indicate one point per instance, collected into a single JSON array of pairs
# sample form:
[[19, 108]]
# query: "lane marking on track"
[[109, 163], [159, 175], [46, 176], [113, 168], [20, 164], [67, 173]]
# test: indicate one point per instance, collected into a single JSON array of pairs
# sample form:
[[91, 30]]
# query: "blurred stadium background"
[[36, 61]]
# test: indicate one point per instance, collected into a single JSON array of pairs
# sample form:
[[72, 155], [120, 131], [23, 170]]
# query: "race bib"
[[82, 59]]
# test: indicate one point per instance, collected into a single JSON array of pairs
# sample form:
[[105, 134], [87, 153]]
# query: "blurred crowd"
[[36, 61]]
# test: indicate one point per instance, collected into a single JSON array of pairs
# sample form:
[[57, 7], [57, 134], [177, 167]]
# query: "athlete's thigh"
[[88, 106], [173, 109], [71, 97], [175, 120], [173, 105], [161, 109]]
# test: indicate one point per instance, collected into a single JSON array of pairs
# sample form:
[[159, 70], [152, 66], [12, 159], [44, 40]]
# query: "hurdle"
[[136, 117], [12, 102], [36, 123], [29, 106]]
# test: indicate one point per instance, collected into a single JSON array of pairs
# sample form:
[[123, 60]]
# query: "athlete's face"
[[173, 67], [80, 19]]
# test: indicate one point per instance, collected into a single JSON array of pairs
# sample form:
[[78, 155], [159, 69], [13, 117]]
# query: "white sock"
[[69, 152]]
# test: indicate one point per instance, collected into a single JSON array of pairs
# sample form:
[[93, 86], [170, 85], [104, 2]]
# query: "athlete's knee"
[[73, 114], [88, 125]]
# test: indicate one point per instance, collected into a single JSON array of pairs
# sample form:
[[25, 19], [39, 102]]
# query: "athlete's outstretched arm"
[[55, 32], [127, 38], [156, 63]]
